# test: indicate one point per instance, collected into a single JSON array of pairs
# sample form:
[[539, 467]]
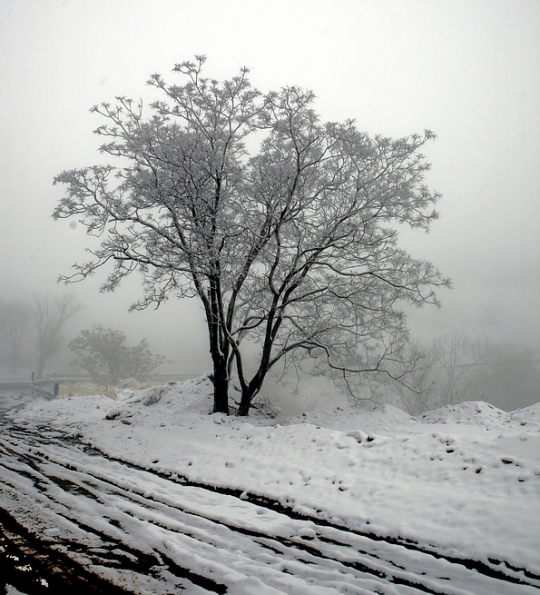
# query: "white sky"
[[467, 69]]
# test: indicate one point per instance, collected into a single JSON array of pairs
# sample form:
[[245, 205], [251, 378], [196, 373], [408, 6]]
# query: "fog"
[[467, 69]]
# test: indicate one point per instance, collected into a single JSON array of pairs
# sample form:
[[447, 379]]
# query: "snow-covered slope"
[[464, 479]]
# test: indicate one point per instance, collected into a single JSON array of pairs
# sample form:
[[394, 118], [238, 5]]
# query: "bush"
[[106, 356]]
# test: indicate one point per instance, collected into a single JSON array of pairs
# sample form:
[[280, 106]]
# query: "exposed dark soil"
[[34, 568]]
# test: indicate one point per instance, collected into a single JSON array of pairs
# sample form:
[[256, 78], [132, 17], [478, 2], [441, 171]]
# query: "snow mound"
[[166, 403], [392, 414], [529, 416], [170, 403], [470, 412]]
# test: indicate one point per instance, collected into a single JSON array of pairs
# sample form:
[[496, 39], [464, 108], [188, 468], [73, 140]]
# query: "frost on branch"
[[292, 246]]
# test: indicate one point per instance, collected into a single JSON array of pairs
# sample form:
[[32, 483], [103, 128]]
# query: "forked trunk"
[[249, 392]]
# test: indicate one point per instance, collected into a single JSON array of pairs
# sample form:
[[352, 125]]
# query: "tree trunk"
[[41, 367], [245, 404], [221, 386], [249, 392]]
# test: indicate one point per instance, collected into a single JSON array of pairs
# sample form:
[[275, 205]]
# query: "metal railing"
[[37, 387], [41, 386]]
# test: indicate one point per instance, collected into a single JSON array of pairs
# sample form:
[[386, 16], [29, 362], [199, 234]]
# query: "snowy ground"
[[462, 481]]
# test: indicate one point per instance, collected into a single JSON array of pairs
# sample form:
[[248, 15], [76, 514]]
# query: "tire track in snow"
[[199, 533], [31, 568]]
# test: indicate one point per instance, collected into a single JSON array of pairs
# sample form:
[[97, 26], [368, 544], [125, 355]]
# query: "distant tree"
[[15, 319], [50, 315], [291, 249], [417, 388], [106, 356], [456, 356], [442, 372]]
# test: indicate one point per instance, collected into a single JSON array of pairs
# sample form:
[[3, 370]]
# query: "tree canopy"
[[106, 356], [283, 226]]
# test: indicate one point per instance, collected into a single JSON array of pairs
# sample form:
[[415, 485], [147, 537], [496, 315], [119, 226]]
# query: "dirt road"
[[98, 522]]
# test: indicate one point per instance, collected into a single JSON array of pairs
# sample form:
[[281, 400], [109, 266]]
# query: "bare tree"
[[456, 354], [416, 389], [438, 373], [50, 316], [291, 248], [15, 318]]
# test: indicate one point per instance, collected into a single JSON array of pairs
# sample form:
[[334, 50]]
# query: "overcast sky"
[[467, 69]]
